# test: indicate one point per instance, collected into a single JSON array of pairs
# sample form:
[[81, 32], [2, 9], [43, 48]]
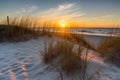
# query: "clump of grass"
[[49, 53], [64, 51], [18, 28], [67, 61], [110, 49], [70, 62]]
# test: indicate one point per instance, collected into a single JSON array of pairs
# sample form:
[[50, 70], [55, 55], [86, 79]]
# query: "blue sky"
[[81, 11]]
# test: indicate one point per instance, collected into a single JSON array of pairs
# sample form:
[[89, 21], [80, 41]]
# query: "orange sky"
[[80, 23]]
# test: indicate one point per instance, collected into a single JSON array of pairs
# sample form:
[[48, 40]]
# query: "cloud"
[[99, 18], [27, 9], [108, 16], [65, 11], [66, 6], [32, 8]]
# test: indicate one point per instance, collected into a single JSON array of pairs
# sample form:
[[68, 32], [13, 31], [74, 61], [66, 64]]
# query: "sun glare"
[[62, 23]]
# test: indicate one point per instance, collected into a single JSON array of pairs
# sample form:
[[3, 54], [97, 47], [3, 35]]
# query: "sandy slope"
[[23, 61]]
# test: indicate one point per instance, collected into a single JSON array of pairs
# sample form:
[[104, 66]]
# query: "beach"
[[23, 61]]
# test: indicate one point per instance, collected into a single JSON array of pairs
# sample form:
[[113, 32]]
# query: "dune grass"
[[65, 60], [109, 48], [17, 29]]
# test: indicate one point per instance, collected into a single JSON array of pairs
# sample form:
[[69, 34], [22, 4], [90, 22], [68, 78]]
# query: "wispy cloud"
[[66, 6], [108, 16], [27, 9], [32, 8], [98, 18], [65, 11]]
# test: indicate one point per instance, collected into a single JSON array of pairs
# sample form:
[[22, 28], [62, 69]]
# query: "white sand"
[[23, 61]]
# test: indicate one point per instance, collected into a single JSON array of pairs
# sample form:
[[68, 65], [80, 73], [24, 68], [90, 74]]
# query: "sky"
[[87, 13]]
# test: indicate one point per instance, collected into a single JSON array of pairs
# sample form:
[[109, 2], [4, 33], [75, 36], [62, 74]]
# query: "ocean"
[[97, 30], [87, 31]]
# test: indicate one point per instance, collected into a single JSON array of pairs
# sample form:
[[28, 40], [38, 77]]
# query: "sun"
[[62, 23]]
